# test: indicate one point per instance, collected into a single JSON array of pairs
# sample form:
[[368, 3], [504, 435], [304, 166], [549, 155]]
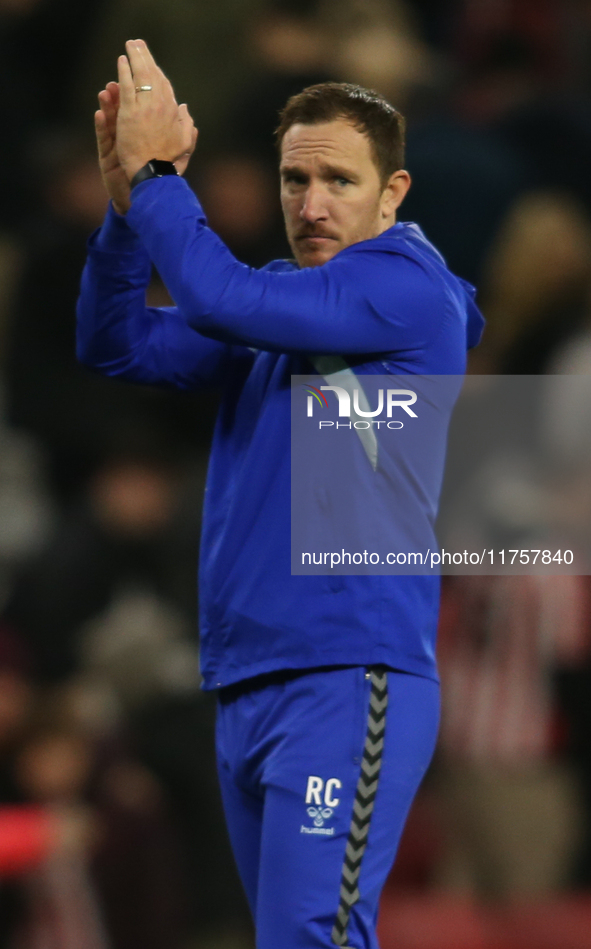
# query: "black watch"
[[155, 168]]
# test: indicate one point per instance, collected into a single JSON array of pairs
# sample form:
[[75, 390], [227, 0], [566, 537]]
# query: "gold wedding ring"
[[143, 88]]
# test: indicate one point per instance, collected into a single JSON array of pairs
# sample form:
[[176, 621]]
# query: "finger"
[[109, 108], [126, 83], [184, 115], [149, 62], [103, 133], [150, 68], [99, 123], [105, 99], [109, 100], [142, 65], [187, 126], [103, 138], [113, 89]]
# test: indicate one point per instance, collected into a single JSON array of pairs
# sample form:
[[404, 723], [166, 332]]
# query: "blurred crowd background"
[[111, 832]]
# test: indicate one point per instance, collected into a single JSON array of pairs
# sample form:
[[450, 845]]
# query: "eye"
[[294, 179], [341, 180]]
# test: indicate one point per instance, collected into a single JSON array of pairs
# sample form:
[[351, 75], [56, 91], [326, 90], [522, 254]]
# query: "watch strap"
[[155, 168]]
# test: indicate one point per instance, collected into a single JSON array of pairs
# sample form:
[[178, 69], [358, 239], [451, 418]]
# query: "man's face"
[[331, 192]]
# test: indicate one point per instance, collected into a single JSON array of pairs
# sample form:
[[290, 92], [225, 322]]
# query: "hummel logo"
[[320, 814]]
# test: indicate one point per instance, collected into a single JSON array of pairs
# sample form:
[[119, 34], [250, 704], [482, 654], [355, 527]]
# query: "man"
[[328, 694]]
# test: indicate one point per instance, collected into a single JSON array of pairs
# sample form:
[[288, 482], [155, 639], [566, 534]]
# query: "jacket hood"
[[413, 234]]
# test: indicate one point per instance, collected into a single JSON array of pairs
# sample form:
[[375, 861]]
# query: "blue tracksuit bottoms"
[[318, 770]]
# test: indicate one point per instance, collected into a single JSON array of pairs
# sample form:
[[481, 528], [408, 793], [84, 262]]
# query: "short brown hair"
[[367, 110]]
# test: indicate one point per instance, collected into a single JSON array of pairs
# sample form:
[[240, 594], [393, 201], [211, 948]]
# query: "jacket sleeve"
[[118, 335], [366, 299]]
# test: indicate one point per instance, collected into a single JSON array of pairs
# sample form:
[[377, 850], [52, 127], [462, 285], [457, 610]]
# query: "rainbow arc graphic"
[[312, 390]]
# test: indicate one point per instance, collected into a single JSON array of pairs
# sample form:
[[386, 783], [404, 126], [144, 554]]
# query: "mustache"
[[314, 232]]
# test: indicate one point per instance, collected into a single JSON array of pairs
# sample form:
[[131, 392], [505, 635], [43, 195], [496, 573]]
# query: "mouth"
[[315, 240]]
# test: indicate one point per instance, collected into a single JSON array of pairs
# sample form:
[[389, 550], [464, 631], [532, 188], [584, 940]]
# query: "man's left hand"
[[150, 123]]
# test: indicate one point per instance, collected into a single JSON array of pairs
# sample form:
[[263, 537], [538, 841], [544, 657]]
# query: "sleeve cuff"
[[115, 234], [159, 198]]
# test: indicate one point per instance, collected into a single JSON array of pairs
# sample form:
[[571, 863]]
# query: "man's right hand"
[[105, 124]]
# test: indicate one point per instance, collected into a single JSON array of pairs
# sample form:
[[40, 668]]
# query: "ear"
[[394, 193]]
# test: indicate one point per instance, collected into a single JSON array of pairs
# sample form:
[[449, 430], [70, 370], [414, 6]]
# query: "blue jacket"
[[385, 305]]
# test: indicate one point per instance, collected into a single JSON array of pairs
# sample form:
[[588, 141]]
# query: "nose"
[[314, 205]]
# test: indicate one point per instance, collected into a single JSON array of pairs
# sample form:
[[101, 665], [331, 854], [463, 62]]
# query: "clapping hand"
[[139, 119], [150, 123], [105, 125]]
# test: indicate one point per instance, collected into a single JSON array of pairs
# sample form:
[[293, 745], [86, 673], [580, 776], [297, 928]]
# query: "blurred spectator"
[[111, 848], [523, 63], [108, 607], [26, 510], [24, 839], [17, 698], [376, 44], [510, 51], [567, 394], [294, 44], [566, 436], [288, 50], [510, 801], [88, 854], [10, 263], [509, 83], [130, 532], [59, 902], [536, 283]]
